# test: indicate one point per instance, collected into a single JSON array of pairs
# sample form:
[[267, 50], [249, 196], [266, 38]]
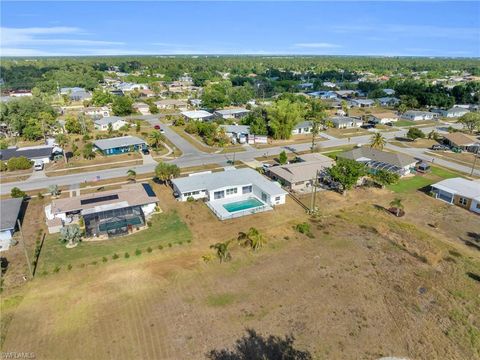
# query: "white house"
[[304, 127], [345, 122], [236, 113], [362, 103], [102, 124], [9, 212], [231, 193], [142, 108], [238, 133], [126, 87], [43, 153], [197, 115], [97, 112], [452, 112], [415, 115], [459, 191], [383, 118]]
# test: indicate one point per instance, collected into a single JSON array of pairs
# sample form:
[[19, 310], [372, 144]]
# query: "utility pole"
[[474, 160], [25, 249], [314, 193]]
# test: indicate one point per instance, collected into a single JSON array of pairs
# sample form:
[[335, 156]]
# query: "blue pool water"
[[243, 205]]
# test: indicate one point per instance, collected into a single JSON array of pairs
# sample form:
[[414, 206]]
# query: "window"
[[247, 189], [478, 205], [264, 197], [231, 191], [219, 194], [277, 198], [462, 201]]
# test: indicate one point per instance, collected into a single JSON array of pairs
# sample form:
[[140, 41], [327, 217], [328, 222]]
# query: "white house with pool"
[[231, 193]]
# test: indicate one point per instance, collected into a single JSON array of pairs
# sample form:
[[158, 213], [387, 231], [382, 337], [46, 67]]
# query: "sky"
[[381, 28]]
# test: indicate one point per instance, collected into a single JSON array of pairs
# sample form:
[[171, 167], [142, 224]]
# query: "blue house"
[[120, 145]]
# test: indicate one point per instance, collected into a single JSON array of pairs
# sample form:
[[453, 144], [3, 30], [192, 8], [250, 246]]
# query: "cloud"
[[320, 45], [34, 41]]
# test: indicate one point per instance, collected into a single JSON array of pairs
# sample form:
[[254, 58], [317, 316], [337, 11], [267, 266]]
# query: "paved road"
[[194, 157]]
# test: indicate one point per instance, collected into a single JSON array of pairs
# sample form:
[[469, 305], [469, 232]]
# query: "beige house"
[[462, 141], [383, 118], [301, 175]]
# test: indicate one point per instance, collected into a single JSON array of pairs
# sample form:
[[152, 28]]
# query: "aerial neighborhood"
[[140, 162]]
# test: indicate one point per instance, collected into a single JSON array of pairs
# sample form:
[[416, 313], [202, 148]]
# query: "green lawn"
[[166, 228], [420, 181], [404, 123]]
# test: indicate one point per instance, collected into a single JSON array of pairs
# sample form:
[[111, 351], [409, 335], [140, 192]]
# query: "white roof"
[[226, 112], [196, 114], [237, 177], [244, 129], [460, 186]]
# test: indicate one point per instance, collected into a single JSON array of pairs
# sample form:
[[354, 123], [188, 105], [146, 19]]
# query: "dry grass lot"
[[295, 139], [464, 158], [364, 285], [347, 133]]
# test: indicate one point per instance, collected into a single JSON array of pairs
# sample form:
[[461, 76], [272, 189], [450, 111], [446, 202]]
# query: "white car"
[[38, 165]]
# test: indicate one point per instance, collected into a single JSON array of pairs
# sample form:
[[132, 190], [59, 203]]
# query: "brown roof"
[[301, 171], [460, 139], [128, 195]]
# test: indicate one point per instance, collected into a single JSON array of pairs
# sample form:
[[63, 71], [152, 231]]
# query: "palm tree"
[[397, 205], [377, 141], [131, 175], [222, 251], [316, 115], [156, 138], [253, 239], [62, 141]]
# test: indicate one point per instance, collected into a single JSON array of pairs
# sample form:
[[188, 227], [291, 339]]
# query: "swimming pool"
[[243, 205]]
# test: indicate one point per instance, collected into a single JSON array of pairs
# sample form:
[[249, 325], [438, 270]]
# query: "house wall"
[[456, 201], [475, 206], [6, 234], [303, 130]]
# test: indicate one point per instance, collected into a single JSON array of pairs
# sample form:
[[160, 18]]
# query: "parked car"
[[440, 147], [157, 127], [162, 131], [368, 126], [389, 123], [145, 151], [38, 165]]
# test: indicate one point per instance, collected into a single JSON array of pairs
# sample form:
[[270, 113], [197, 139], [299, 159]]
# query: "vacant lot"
[[364, 284]]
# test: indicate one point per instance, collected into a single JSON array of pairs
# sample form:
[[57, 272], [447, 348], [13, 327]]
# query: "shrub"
[[115, 256], [160, 247], [149, 249], [19, 163], [40, 195], [138, 252], [149, 223], [169, 244], [189, 241], [180, 243], [69, 267], [17, 193], [45, 272], [56, 269], [3, 166], [127, 255], [104, 259], [94, 262], [190, 199], [303, 228]]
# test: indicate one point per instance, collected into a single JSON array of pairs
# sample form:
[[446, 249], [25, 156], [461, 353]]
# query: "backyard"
[[420, 181]]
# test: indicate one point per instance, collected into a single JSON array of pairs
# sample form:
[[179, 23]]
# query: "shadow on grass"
[[253, 346], [473, 276]]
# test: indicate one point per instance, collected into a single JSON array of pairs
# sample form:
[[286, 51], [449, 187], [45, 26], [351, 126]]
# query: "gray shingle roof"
[[29, 152], [108, 120], [118, 142], [366, 152], [9, 210]]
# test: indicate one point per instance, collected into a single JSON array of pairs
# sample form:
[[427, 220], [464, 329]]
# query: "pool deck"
[[222, 213]]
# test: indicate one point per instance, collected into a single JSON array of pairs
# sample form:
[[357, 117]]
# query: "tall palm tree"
[[397, 205], [377, 141], [253, 239], [222, 251], [156, 138]]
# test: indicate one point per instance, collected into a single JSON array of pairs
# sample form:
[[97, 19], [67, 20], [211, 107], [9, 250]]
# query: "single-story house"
[[238, 133], [345, 94], [102, 124], [120, 145], [459, 191], [346, 122], [9, 213], [97, 112], [76, 93], [383, 118], [301, 175], [237, 113], [389, 92], [142, 108], [197, 115], [170, 104], [44, 153], [381, 160], [415, 115], [452, 112], [388, 101], [126, 87], [147, 93], [362, 103], [107, 213], [231, 193], [304, 127], [324, 95], [462, 141], [305, 86], [329, 84]]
